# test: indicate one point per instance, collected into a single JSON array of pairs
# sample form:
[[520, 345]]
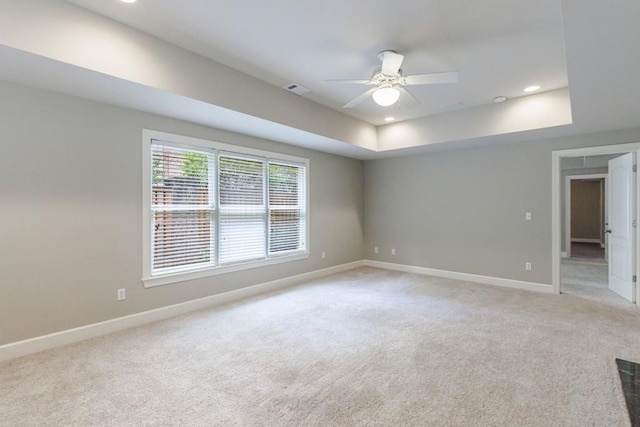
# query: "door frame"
[[567, 208], [556, 202]]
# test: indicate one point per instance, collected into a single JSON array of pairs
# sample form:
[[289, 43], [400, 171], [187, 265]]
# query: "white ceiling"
[[587, 64], [498, 46]]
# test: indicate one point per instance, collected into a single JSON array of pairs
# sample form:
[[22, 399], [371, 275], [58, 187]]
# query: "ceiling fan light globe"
[[386, 96]]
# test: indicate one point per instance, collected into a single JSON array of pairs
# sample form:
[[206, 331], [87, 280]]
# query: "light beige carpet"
[[589, 279], [585, 272], [363, 348]]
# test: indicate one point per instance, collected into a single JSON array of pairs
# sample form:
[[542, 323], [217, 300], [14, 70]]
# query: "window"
[[211, 208], [243, 209], [182, 209], [287, 208]]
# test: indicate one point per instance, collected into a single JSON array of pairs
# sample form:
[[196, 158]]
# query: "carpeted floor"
[[587, 250], [366, 347], [589, 279], [585, 272]]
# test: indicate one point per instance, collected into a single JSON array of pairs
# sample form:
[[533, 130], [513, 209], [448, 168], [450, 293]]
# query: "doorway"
[[585, 213], [584, 268], [560, 242]]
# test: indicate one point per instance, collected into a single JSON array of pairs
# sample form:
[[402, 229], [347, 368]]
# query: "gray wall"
[[71, 216], [464, 210], [70, 211]]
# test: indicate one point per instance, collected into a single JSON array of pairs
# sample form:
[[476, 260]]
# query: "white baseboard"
[[496, 281], [45, 342], [579, 240]]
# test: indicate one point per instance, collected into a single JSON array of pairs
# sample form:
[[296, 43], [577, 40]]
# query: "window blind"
[[242, 209], [182, 209], [287, 208]]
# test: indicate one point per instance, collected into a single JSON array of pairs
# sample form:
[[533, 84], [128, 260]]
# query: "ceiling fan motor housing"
[[379, 78]]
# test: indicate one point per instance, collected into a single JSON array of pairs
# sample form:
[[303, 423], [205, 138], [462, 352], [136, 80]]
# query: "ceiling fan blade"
[[391, 62], [351, 81], [358, 100], [410, 101], [431, 78]]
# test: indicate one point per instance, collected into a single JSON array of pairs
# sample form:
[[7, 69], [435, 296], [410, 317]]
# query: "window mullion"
[[267, 202]]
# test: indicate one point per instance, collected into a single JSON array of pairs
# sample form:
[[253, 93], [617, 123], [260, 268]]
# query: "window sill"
[[150, 282]]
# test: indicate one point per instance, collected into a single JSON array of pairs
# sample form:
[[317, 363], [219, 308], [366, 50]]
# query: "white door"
[[620, 229]]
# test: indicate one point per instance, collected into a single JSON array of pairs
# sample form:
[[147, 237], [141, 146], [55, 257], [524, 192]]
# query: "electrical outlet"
[[324, 255], [121, 294], [527, 266], [376, 250], [393, 251]]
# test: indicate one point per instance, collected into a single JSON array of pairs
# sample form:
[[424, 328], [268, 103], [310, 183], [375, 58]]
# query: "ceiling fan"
[[389, 81]]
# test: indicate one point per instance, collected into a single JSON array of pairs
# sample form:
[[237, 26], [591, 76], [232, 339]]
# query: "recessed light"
[[499, 99], [389, 119], [128, 1], [532, 88]]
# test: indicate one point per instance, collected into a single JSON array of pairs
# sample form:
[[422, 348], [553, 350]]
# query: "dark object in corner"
[[630, 379]]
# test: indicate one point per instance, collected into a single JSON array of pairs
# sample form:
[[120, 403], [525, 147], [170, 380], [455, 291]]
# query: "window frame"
[[186, 142]]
